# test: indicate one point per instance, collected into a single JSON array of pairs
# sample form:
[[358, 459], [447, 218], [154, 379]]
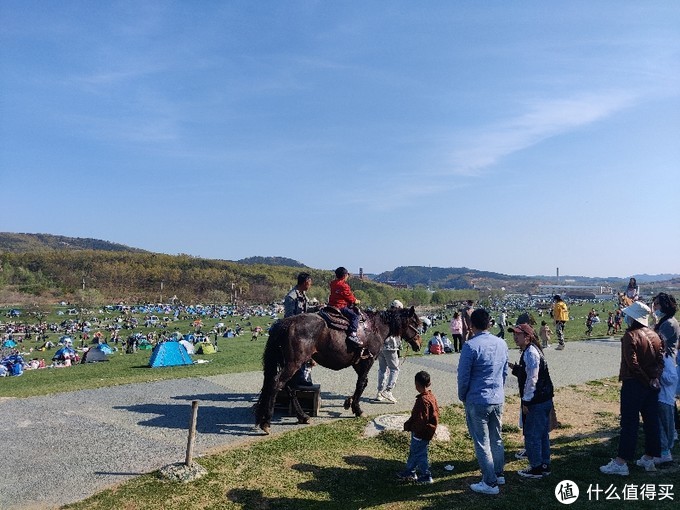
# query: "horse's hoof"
[[304, 420], [265, 429], [348, 403], [359, 414]]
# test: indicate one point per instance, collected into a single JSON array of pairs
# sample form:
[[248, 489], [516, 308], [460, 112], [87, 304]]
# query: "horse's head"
[[406, 324]]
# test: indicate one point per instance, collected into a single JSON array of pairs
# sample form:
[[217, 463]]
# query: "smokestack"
[[558, 276], [361, 273]]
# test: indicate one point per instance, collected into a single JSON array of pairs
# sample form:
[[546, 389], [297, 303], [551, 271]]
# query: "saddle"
[[334, 319]]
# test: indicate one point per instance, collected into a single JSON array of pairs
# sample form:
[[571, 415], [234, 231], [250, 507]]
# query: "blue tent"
[[9, 343], [63, 353], [169, 354], [105, 348]]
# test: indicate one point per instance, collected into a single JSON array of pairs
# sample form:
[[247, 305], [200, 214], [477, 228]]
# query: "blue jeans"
[[352, 317], [536, 433], [417, 456], [484, 424], [638, 399]]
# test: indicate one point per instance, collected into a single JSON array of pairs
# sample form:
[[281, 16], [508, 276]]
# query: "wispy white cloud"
[[540, 121]]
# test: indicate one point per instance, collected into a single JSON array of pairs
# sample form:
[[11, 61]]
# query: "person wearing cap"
[[560, 314], [536, 392], [482, 371], [388, 363], [641, 366]]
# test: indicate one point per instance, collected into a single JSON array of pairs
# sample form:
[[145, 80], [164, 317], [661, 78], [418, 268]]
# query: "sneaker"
[[521, 454], [407, 476], [483, 488], [379, 397], [534, 473], [559, 347], [546, 469], [648, 464], [613, 468], [387, 395], [500, 480], [424, 479]]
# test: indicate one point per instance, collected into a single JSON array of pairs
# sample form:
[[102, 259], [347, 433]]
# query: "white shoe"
[[379, 397], [559, 347], [500, 480], [387, 395], [648, 464], [483, 488], [613, 468]]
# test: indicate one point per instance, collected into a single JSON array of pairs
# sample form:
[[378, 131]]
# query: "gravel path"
[[63, 448]]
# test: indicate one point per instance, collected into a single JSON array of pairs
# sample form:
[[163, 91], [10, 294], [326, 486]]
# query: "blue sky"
[[504, 136]]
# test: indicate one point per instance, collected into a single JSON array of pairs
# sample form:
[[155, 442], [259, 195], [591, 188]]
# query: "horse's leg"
[[362, 368]]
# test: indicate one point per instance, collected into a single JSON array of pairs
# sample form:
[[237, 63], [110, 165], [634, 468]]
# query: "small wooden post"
[[192, 433]]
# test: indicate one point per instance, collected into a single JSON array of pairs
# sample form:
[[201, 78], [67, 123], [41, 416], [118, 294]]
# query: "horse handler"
[[388, 363]]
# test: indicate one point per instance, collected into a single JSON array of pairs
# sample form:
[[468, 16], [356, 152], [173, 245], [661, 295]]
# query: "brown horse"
[[294, 340]]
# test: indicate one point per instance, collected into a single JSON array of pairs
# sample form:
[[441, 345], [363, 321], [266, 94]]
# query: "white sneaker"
[[648, 464], [613, 468], [387, 395], [500, 480], [559, 347], [483, 488], [379, 397]]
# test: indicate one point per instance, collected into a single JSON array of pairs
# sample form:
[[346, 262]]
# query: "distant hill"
[[451, 278], [465, 278], [271, 261], [24, 243]]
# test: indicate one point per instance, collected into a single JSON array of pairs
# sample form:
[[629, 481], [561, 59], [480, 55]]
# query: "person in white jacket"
[[388, 364]]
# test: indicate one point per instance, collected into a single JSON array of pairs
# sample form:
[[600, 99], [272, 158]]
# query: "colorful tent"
[[169, 354]]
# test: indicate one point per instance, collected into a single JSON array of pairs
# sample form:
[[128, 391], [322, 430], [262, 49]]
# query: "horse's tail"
[[272, 362]]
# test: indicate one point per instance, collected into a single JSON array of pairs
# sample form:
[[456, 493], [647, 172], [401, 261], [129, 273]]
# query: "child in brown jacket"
[[422, 424]]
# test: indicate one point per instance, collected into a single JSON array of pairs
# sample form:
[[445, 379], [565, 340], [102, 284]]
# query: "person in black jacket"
[[536, 391]]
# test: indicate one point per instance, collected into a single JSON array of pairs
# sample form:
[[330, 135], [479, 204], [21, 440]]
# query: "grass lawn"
[[333, 466]]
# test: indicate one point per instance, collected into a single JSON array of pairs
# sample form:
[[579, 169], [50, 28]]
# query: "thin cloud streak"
[[542, 121]]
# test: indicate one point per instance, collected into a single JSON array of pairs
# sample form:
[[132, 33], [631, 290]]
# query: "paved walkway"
[[63, 448]]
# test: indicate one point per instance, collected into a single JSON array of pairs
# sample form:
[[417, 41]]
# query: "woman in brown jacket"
[[641, 366]]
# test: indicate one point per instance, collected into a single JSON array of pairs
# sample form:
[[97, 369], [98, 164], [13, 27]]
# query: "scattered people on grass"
[[344, 300], [560, 314], [482, 371], [388, 363], [422, 425], [502, 324], [536, 394], [295, 303], [590, 319], [435, 345], [611, 324], [545, 334], [618, 320], [641, 367], [448, 347], [457, 331]]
